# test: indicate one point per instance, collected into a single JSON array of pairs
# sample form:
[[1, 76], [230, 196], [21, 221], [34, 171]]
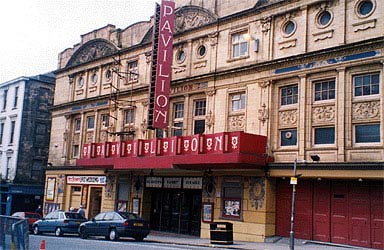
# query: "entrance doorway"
[[94, 201], [177, 211]]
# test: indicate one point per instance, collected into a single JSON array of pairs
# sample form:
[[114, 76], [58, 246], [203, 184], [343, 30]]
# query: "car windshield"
[[73, 216], [129, 216]]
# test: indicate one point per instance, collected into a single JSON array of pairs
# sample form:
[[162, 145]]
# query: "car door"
[[105, 224], [43, 224], [93, 225], [52, 222]]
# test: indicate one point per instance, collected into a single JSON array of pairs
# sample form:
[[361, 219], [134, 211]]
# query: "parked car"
[[59, 222], [30, 216], [113, 225]]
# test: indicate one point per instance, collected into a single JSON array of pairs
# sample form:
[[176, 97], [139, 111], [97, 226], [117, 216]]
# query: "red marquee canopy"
[[220, 150]]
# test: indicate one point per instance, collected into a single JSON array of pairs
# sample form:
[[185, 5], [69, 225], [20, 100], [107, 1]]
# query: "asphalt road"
[[68, 242]]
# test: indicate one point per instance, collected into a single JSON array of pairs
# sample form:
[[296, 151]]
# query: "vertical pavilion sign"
[[158, 116]]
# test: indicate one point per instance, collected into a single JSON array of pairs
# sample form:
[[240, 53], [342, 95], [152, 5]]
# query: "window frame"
[[131, 120], [77, 125], [5, 97], [12, 134], [321, 82], [241, 100], [362, 75], [242, 39], [178, 119], [293, 132], [199, 113], [133, 70], [89, 123], [324, 144], [366, 143], [16, 97], [295, 85], [2, 126]]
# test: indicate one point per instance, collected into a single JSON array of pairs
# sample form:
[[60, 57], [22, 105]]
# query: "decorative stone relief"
[[266, 24], [369, 24], [210, 119], [213, 38], [189, 17], [263, 113], [323, 114], [323, 35], [200, 64], [264, 84], [148, 57], [256, 191], [89, 137], [92, 50], [287, 44], [236, 122], [76, 138], [366, 110], [103, 136], [288, 118]]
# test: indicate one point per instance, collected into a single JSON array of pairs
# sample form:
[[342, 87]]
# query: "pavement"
[[276, 243]]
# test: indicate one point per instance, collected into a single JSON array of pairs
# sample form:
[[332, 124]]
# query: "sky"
[[34, 32]]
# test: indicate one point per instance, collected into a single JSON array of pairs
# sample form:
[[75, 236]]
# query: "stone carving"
[[236, 122], [92, 50], [288, 118], [323, 35], [256, 191], [189, 17], [370, 24], [263, 113], [103, 136], [366, 110], [213, 38], [264, 84], [266, 24], [323, 114], [89, 137], [287, 44]]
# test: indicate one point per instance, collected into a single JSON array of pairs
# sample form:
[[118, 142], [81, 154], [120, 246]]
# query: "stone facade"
[[289, 70]]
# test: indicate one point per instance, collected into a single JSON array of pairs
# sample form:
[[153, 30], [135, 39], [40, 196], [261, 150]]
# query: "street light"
[[294, 183]]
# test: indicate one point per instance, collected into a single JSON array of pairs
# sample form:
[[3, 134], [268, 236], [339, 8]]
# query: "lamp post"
[[315, 158], [293, 182]]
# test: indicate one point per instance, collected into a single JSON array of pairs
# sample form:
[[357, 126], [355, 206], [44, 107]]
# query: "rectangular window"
[[239, 45], [177, 129], [325, 135], [289, 95], [11, 139], [238, 102], [367, 84], [5, 99], [16, 97], [178, 110], [104, 121], [232, 195], [199, 127], [133, 71], [91, 122], [77, 124], [76, 151], [324, 90], [289, 137], [367, 133], [9, 167], [1, 132], [129, 117], [200, 107]]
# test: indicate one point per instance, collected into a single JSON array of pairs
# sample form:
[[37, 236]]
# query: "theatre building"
[[255, 89]]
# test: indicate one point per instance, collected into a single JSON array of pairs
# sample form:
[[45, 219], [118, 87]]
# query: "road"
[[75, 243]]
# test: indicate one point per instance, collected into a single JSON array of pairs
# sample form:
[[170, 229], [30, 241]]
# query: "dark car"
[[113, 225], [30, 216], [59, 222]]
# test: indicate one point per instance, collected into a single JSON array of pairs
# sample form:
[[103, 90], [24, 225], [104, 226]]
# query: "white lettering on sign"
[[172, 182], [87, 180], [155, 182], [193, 183]]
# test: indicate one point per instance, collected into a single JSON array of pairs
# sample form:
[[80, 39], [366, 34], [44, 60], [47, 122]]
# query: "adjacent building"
[[25, 122], [256, 88]]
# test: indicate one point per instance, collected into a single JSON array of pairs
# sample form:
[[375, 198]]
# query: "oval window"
[[289, 27], [94, 78], [324, 18], [180, 56], [201, 51], [108, 74], [365, 7], [81, 82]]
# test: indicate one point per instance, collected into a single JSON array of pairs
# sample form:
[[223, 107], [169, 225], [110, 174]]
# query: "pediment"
[[190, 17], [92, 50]]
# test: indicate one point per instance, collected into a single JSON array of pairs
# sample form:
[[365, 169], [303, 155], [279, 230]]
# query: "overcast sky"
[[34, 32]]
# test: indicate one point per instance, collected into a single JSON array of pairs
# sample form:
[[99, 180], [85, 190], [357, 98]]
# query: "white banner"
[[87, 180]]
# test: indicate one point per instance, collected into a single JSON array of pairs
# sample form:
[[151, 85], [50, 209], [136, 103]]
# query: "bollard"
[[42, 245]]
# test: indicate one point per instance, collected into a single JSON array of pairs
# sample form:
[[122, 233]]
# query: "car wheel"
[[58, 232], [113, 234], [83, 233], [139, 238], [36, 230]]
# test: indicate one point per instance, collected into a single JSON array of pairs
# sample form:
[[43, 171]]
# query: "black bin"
[[221, 233]]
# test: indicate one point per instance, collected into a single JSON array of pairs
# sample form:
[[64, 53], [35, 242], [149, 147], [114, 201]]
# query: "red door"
[[283, 207], [321, 210], [377, 216], [303, 210], [359, 214], [339, 213]]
